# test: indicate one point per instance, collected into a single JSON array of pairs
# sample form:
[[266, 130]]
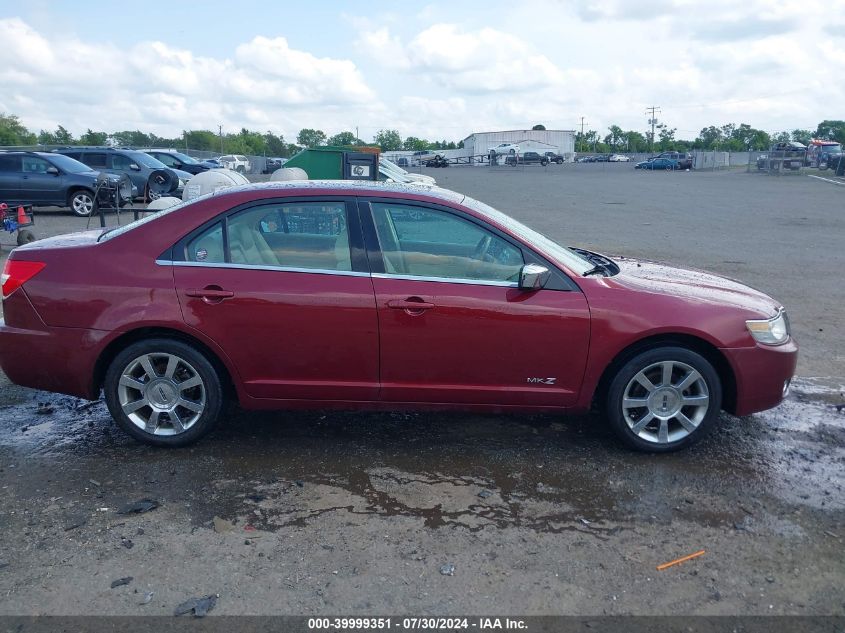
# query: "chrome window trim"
[[448, 280], [281, 269]]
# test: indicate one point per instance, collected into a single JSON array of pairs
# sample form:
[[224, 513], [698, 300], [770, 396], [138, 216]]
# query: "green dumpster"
[[336, 163]]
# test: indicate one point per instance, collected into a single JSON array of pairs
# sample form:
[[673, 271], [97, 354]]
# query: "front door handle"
[[210, 294], [412, 305]]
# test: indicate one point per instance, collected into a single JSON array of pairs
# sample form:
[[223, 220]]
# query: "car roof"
[[356, 187]]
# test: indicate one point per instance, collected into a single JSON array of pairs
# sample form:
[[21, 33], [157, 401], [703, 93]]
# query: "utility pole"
[[653, 121], [220, 133], [582, 131]]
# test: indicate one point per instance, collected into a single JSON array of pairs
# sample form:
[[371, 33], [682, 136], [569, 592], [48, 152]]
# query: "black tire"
[[705, 416], [25, 237], [200, 366], [82, 203]]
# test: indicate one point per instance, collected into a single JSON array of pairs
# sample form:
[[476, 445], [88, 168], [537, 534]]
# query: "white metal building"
[[562, 141]]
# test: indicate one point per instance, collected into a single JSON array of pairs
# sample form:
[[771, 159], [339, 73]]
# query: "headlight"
[[772, 331]]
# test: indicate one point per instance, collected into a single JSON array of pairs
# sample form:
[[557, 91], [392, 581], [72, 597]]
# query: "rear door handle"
[[210, 294], [410, 306]]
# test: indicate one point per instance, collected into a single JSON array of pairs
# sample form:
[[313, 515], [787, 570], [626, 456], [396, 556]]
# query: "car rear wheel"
[[163, 392], [82, 203], [664, 399]]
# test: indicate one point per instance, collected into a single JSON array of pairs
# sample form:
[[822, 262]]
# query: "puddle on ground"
[[476, 472]]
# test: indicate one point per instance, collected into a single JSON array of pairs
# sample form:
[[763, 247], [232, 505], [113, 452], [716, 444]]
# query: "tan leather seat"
[[248, 246]]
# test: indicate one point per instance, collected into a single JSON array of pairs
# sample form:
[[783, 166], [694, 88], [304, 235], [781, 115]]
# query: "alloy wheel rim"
[[161, 393], [83, 204], [665, 402]]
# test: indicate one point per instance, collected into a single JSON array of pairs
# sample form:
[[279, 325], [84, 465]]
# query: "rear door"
[[283, 288], [10, 177], [455, 328]]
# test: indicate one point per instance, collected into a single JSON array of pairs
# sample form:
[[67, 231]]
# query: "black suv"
[[527, 158], [49, 179], [138, 166], [684, 159]]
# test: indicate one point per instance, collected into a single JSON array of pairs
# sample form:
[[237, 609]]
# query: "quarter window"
[[430, 243]]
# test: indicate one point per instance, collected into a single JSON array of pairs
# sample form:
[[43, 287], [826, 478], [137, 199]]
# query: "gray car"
[[47, 179], [152, 177]]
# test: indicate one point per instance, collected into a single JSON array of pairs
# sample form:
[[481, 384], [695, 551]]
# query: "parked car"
[[602, 158], [790, 155], [585, 159], [658, 163], [504, 149], [365, 276], [48, 179], [403, 162], [138, 166], [235, 162], [683, 160], [272, 164], [177, 160], [528, 158], [619, 158], [554, 157]]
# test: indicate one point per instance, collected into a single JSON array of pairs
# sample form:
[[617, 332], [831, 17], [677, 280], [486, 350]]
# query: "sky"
[[438, 70]]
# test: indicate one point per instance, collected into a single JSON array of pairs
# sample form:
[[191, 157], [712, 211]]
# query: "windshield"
[[832, 149], [549, 247], [188, 160], [146, 160], [68, 164], [392, 166]]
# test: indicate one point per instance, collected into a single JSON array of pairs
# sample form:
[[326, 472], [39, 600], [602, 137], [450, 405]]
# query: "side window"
[[118, 161], [310, 235], [10, 164], [207, 246], [430, 243], [94, 159], [295, 235], [34, 165], [167, 159]]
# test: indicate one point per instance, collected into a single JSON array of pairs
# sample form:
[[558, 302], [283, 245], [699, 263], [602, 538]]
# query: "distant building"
[[560, 141]]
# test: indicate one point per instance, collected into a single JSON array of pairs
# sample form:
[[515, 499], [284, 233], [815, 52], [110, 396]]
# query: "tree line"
[[14, 133], [729, 137]]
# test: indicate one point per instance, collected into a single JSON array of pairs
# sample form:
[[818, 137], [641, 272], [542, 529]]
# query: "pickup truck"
[[789, 155]]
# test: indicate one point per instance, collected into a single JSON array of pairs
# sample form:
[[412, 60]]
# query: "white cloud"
[[165, 89]]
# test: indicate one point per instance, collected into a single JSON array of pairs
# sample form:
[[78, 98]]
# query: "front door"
[[276, 285], [455, 328], [37, 186]]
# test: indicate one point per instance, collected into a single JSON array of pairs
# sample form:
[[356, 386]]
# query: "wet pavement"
[[328, 512]]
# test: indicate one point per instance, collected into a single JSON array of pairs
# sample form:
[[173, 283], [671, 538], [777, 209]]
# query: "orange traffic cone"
[[22, 219]]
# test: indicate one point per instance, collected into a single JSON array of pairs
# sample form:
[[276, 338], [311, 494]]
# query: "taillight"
[[16, 273]]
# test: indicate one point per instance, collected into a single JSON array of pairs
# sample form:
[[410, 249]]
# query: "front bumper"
[[762, 375]]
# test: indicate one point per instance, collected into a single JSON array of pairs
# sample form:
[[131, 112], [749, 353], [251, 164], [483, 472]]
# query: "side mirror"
[[52, 170], [134, 167], [533, 277]]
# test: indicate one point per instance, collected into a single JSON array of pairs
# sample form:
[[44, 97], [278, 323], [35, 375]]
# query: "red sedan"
[[360, 295]]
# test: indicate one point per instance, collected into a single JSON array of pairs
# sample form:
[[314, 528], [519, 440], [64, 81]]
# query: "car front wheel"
[[664, 399], [82, 203], [163, 392]]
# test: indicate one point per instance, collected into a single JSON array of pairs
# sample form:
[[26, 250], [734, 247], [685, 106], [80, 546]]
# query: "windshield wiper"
[[598, 268]]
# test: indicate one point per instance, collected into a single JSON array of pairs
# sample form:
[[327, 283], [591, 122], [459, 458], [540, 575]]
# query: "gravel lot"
[[342, 513]]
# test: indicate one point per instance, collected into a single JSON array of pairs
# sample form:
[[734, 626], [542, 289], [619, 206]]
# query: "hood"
[[182, 174], [692, 285]]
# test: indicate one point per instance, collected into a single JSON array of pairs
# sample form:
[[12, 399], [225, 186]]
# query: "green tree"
[[60, 137], [782, 137], [93, 138], [616, 138], [311, 138], [801, 136], [204, 140], [831, 130], [539, 126], [13, 132], [414, 144], [276, 145], [133, 138], [388, 140], [344, 138]]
